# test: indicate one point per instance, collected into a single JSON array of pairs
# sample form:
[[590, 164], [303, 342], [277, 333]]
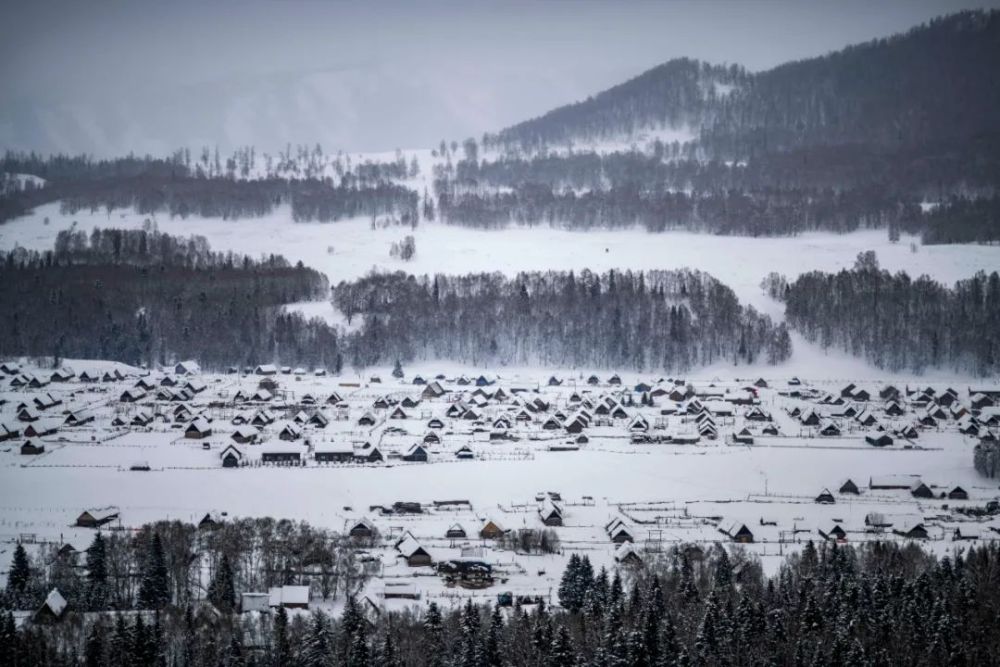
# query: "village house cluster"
[[251, 419]]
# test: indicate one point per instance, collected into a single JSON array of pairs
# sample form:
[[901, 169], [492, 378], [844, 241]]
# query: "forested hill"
[[931, 87]]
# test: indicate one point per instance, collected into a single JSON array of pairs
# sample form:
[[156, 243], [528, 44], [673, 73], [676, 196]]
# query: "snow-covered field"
[[740, 262], [665, 493]]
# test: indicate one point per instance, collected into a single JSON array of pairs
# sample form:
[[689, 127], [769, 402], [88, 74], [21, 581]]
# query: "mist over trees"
[[897, 322], [878, 603], [658, 320]]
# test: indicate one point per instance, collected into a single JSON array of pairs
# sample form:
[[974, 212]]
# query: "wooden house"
[[825, 497], [878, 439], [284, 453], [28, 448], [362, 529], [95, 518], [245, 435], [415, 454], [231, 457], [627, 556], [42, 427], [833, 532], [412, 551], [455, 532], [334, 453], [550, 513], [491, 530], [737, 531], [958, 493], [198, 429], [52, 608], [849, 487]]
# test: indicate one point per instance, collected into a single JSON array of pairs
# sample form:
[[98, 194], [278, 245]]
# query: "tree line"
[[878, 603], [174, 187], [751, 213], [143, 297], [897, 322], [670, 320]]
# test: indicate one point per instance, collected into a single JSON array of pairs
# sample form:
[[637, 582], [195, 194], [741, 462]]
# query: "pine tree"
[[154, 589], [492, 656], [190, 638], [562, 654], [222, 589], [8, 639], [387, 655], [397, 371], [569, 592], [318, 646], [433, 636], [19, 577], [282, 645], [121, 643], [141, 649], [723, 571], [94, 650], [469, 652], [359, 651]]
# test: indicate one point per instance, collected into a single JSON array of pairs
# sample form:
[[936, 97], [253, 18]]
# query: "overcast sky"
[[113, 77]]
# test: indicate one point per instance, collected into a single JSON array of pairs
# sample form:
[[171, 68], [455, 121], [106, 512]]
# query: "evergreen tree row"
[[875, 604]]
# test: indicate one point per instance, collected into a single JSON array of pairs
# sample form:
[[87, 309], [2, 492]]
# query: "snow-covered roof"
[[284, 595], [56, 602]]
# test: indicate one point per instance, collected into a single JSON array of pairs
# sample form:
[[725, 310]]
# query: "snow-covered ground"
[[739, 262]]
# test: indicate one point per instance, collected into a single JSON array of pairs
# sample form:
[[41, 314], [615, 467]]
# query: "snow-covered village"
[[481, 486], [434, 334]]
